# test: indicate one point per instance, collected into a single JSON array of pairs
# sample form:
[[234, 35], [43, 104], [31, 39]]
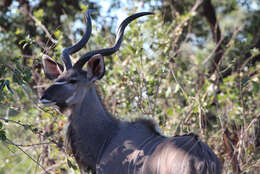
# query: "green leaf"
[[2, 135], [8, 86], [25, 45], [18, 31], [83, 7], [2, 85], [12, 112], [21, 42], [177, 88], [26, 127], [169, 112], [71, 165], [35, 130], [255, 87], [254, 51], [39, 14], [58, 33], [3, 71], [1, 125]]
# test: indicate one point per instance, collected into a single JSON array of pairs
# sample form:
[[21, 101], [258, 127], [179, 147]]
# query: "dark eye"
[[72, 81]]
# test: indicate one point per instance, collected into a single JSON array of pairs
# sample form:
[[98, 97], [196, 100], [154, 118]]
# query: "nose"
[[44, 99], [47, 94]]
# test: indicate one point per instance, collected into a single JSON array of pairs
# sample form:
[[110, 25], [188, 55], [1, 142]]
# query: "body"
[[133, 147]]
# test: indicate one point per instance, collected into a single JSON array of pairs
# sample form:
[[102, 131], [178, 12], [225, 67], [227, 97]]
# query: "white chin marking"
[[60, 83]]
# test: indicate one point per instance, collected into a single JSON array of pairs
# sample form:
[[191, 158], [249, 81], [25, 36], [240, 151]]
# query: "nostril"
[[42, 97]]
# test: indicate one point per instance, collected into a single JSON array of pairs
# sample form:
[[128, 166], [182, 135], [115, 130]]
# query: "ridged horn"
[[109, 51], [74, 48]]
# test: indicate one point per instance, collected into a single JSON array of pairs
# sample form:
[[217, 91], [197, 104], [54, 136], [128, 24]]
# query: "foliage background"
[[193, 67]]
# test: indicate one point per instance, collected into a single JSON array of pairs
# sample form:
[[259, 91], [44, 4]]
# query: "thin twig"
[[37, 167], [177, 81], [43, 28], [31, 128], [229, 46], [30, 145], [156, 95], [210, 56], [177, 30], [16, 122], [10, 142]]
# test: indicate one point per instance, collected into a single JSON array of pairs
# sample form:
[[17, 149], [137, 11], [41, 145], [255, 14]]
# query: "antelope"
[[105, 144]]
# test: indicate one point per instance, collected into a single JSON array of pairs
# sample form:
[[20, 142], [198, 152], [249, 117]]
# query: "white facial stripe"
[[60, 83], [49, 104], [45, 101]]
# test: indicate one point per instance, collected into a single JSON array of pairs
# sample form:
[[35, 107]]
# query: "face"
[[70, 86], [66, 89]]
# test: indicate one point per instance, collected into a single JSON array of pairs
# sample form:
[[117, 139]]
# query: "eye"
[[72, 81]]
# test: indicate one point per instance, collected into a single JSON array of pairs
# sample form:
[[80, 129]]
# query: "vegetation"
[[193, 67]]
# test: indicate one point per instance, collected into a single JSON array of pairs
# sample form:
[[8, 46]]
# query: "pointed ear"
[[51, 69], [96, 67]]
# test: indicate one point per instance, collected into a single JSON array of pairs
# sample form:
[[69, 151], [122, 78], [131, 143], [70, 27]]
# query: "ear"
[[51, 69], [96, 68]]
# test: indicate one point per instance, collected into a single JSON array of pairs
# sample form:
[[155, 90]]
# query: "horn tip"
[[88, 12], [147, 13]]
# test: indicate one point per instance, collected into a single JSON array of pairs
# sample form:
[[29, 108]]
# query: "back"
[[182, 154], [139, 150]]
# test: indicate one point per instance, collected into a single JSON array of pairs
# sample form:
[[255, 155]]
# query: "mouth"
[[46, 102]]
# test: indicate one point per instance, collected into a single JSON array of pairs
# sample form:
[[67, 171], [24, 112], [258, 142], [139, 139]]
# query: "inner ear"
[[96, 67], [51, 69]]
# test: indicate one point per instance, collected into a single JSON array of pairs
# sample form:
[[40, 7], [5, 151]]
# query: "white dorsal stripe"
[[60, 83]]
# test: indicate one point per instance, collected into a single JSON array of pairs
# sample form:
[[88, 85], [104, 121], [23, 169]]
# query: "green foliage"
[[39, 14], [71, 165], [2, 135], [2, 132]]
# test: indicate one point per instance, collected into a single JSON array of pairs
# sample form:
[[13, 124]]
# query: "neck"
[[90, 128]]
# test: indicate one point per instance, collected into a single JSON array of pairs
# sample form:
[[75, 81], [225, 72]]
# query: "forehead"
[[72, 73]]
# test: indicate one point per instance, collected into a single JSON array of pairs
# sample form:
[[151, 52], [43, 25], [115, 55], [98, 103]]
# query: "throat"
[[90, 128]]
